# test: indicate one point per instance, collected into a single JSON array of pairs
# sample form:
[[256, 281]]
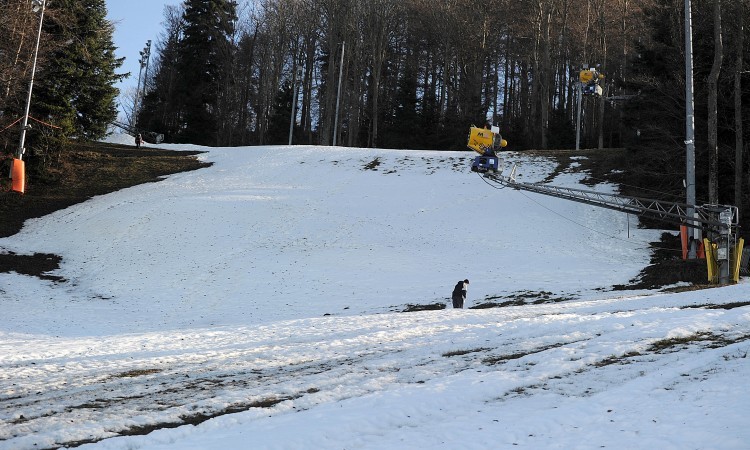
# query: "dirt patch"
[[465, 352], [372, 165], [521, 298], [86, 170], [137, 373], [188, 419], [37, 265], [728, 306], [492, 360], [668, 268], [705, 338], [429, 307]]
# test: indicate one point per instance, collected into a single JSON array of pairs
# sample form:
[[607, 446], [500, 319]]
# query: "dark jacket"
[[459, 292]]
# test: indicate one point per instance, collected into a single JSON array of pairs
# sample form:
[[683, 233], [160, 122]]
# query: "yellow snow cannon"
[[485, 142]]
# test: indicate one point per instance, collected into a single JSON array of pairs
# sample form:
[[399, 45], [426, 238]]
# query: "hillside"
[[88, 170], [259, 302], [99, 168]]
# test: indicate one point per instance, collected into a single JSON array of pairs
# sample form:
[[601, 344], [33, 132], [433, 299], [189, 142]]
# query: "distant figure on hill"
[[138, 140], [459, 293]]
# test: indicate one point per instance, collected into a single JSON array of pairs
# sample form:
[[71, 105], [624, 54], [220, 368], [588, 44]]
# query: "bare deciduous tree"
[[713, 90], [738, 128]]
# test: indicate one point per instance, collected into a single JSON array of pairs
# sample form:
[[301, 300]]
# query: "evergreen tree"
[[657, 115], [406, 118], [278, 123], [203, 56], [75, 90], [160, 110]]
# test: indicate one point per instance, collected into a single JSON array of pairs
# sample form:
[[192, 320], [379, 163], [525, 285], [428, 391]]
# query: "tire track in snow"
[[128, 390], [134, 384]]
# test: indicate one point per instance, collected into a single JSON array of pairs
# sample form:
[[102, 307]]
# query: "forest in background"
[[412, 74], [415, 73]]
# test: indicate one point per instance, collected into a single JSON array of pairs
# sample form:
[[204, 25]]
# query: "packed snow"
[[259, 303]]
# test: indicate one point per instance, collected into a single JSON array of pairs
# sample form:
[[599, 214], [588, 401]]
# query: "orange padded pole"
[[19, 175]]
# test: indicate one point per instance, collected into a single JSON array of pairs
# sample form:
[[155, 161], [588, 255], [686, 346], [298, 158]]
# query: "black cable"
[[597, 231], [667, 194], [501, 185]]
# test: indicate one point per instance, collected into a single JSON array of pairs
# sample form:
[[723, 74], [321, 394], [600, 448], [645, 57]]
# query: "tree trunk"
[[524, 100], [545, 76], [20, 25], [506, 78], [307, 95], [380, 47], [602, 105], [534, 118], [738, 138], [713, 81], [601, 7]]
